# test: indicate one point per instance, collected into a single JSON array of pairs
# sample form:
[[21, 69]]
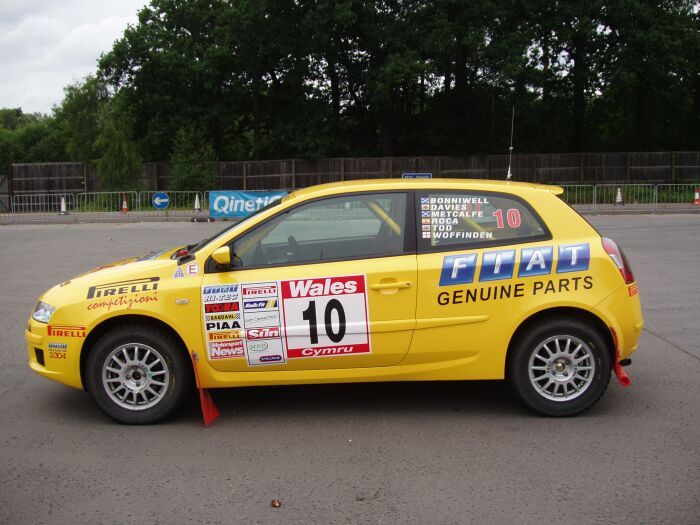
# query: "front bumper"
[[57, 358]]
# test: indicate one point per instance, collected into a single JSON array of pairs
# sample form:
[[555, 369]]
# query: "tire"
[[138, 374], [560, 367]]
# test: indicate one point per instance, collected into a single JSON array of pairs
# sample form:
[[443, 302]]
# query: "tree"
[[120, 164], [310, 78], [193, 162], [80, 111]]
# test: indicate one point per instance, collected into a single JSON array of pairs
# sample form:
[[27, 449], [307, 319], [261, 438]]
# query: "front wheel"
[[138, 374], [560, 368]]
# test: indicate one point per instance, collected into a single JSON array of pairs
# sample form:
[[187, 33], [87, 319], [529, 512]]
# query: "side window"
[[458, 220], [358, 226]]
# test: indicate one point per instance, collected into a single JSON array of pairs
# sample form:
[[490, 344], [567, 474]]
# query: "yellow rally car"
[[383, 280]]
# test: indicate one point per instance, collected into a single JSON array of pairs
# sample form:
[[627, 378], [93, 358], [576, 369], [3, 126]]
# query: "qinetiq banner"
[[239, 204]]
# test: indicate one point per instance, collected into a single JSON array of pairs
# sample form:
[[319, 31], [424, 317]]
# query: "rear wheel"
[[138, 374], [560, 367]]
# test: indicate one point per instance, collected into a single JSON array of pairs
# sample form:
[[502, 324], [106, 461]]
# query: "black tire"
[[150, 387], [554, 382]]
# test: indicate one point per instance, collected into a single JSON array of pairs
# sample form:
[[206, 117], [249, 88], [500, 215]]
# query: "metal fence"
[[43, 203], [671, 167], [675, 196], [104, 202], [633, 197], [115, 205], [134, 206], [581, 196]]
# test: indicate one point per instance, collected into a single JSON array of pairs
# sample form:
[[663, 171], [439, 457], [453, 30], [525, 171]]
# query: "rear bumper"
[[622, 311]]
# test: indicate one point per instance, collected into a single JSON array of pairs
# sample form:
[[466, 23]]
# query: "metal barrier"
[[603, 198], [41, 202], [676, 197], [625, 197], [582, 197], [106, 202], [179, 203]]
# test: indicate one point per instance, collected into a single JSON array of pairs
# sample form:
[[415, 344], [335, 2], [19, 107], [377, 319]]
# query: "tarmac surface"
[[376, 453]]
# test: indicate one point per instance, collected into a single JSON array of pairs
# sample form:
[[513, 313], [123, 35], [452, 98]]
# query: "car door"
[[469, 287], [329, 283]]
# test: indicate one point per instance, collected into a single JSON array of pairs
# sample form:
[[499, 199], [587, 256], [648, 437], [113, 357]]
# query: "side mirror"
[[222, 256], [226, 257]]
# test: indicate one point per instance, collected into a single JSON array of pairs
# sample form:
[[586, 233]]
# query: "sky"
[[47, 44]]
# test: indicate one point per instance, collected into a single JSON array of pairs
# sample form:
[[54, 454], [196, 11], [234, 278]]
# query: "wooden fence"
[[565, 168]]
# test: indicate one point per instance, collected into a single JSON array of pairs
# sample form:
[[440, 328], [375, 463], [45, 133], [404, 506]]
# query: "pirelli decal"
[[63, 330], [147, 284]]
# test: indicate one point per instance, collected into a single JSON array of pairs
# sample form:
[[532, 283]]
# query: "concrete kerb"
[[77, 218]]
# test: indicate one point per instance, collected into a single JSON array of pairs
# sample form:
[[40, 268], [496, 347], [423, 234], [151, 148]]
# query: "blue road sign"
[[160, 200]]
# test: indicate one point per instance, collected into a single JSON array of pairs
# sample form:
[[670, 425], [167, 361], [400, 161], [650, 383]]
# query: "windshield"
[[201, 244]]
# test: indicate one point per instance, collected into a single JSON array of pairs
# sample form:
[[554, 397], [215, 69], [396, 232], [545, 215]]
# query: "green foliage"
[[80, 112], [193, 162], [120, 165], [310, 79], [29, 138]]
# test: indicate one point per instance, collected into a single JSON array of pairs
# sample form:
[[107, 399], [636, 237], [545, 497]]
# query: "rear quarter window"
[[456, 220]]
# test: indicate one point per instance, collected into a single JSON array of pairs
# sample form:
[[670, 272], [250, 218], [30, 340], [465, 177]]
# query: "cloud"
[[46, 45]]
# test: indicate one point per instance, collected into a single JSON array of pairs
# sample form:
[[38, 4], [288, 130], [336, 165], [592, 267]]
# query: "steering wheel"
[[293, 247]]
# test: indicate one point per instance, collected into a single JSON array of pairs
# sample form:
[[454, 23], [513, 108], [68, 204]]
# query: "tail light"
[[618, 257]]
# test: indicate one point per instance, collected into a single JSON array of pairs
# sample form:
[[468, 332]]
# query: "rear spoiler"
[[554, 190]]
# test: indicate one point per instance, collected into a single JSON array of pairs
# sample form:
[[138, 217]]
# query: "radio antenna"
[[510, 149]]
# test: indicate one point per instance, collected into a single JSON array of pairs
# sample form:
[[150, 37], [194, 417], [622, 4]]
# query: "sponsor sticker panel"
[[271, 322], [261, 318], [226, 309]]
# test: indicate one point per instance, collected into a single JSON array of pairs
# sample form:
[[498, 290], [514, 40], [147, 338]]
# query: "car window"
[[357, 226], [471, 219]]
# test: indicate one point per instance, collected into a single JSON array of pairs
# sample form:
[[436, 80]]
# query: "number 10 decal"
[[513, 217], [310, 316], [325, 317]]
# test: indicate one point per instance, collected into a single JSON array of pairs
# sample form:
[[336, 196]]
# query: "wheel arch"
[[562, 312], [108, 324]]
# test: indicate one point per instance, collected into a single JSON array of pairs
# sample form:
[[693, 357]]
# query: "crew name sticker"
[[325, 317]]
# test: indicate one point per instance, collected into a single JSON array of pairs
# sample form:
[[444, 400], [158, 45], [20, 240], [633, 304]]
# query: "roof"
[[427, 184]]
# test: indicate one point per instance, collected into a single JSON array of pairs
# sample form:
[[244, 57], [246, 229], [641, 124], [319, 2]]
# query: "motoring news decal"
[[271, 322], [239, 204]]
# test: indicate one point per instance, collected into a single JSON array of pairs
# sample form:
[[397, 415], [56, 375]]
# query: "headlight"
[[43, 312]]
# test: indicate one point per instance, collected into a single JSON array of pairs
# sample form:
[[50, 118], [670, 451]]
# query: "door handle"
[[390, 286]]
